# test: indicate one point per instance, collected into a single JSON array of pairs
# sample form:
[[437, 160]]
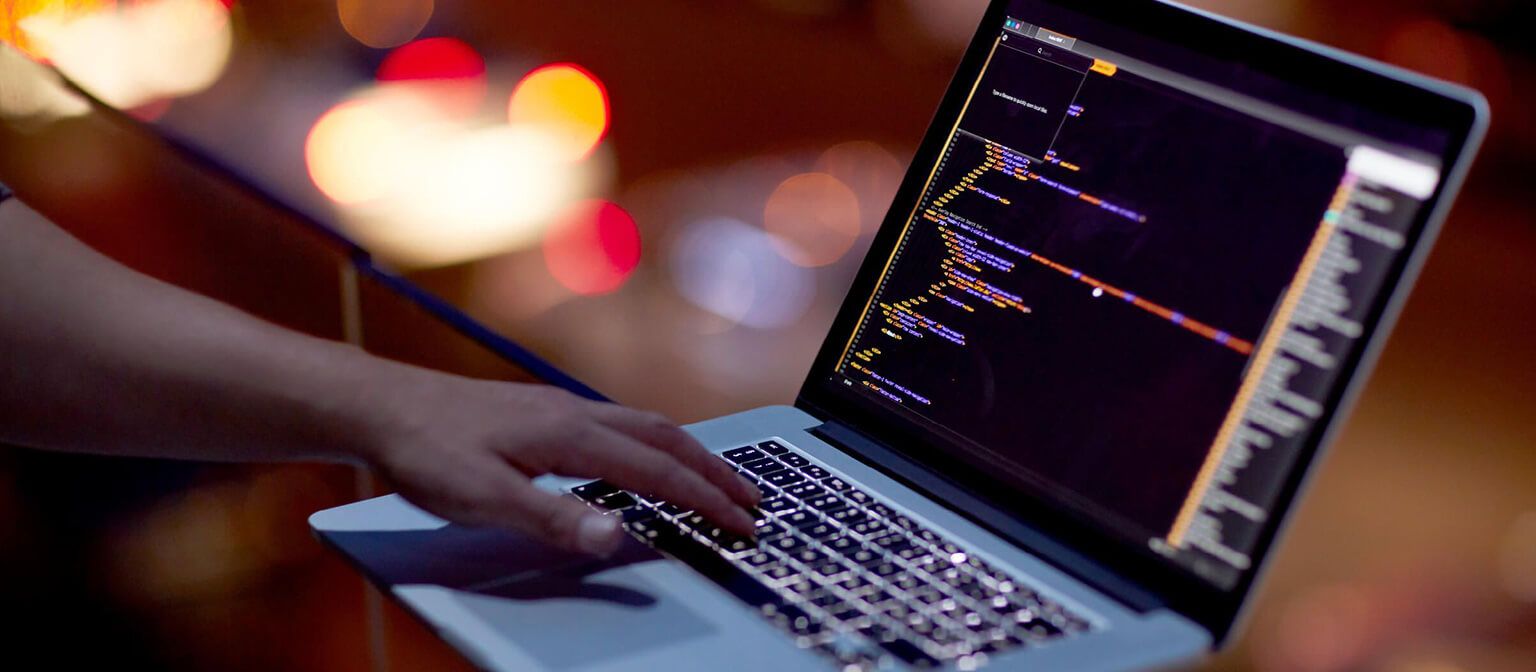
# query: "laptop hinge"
[[955, 498]]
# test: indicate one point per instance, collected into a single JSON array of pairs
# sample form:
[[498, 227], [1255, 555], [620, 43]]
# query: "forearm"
[[101, 359], [97, 358]]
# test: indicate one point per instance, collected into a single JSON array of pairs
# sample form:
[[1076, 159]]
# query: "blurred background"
[[668, 200]]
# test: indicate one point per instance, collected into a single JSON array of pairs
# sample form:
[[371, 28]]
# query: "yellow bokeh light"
[[814, 219], [138, 54], [384, 24], [14, 12], [566, 102], [422, 188], [351, 151]]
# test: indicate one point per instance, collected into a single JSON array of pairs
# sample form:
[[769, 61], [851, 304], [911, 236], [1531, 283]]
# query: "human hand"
[[466, 450]]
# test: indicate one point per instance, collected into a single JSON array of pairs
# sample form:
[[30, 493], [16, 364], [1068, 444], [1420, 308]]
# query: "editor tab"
[[1053, 37]]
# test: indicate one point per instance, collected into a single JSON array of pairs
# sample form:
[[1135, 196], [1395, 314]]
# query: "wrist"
[[381, 406]]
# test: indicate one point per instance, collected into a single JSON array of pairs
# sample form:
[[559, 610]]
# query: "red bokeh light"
[[436, 58], [595, 250], [447, 72]]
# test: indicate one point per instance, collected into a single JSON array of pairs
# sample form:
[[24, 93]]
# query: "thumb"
[[562, 521]]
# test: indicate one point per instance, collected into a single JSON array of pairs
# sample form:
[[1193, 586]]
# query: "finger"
[[658, 432], [559, 521], [604, 453]]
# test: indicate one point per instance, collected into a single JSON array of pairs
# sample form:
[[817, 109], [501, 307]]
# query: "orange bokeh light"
[[595, 250], [383, 24], [814, 219], [566, 102]]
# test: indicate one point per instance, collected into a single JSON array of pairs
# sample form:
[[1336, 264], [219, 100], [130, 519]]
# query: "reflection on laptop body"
[[1138, 266]]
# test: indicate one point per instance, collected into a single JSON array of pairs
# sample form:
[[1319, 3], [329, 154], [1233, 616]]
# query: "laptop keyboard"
[[845, 573]]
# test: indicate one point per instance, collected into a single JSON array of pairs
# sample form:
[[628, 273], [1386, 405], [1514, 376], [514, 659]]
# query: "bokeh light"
[[565, 101], [593, 249], [442, 69], [355, 150], [732, 269], [872, 172], [15, 13], [478, 192], [432, 59], [421, 188], [138, 54], [384, 24], [814, 219]]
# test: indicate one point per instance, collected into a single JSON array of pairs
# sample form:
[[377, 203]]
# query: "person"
[[97, 358]]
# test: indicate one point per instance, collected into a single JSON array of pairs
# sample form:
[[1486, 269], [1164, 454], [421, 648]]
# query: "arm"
[[97, 358]]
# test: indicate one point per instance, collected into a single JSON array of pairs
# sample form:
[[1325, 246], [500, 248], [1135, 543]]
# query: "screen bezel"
[[1460, 114]]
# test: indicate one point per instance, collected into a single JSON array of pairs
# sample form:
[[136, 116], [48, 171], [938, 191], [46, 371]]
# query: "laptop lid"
[[1140, 262]]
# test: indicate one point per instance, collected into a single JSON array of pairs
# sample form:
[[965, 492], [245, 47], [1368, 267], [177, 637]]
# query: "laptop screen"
[[1133, 276]]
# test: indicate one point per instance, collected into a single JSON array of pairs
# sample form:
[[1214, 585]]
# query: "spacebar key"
[[716, 568]]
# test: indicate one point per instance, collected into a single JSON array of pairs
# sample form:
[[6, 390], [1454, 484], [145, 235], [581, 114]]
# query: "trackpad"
[[561, 609], [586, 613]]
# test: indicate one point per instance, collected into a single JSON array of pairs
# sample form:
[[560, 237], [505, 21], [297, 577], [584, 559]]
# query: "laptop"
[[1139, 267]]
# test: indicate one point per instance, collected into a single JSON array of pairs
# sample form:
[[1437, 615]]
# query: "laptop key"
[[815, 472], [865, 557], [801, 587], [769, 529], [780, 572], [743, 454], [777, 505], [799, 518], [847, 516], [819, 531], [810, 557], [592, 491], [805, 490], [652, 531], [637, 513], [787, 543], [783, 478], [857, 495], [758, 559], [772, 448], [842, 544], [763, 466], [794, 460], [735, 544], [830, 569], [855, 583], [616, 501], [868, 527], [835, 483], [827, 502]]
